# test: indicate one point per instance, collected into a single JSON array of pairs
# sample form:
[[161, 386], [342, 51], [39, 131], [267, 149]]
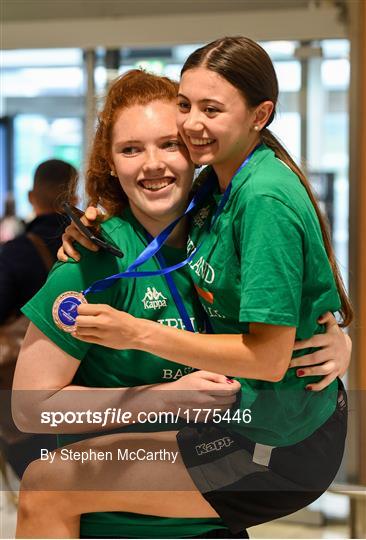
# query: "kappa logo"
[[153, 299], [214, 446]]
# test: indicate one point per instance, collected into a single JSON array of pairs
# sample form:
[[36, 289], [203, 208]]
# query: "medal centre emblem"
[[64, 310]]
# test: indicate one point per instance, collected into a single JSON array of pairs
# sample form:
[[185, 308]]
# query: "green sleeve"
[[71, 276], [272, 261]]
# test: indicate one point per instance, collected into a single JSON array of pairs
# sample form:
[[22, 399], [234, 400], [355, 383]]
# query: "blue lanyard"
[[179, 301], [152, 248], [174, 292], [155, 245]]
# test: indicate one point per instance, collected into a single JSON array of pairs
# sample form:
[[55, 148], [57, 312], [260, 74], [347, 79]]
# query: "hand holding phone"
[[91, 233]]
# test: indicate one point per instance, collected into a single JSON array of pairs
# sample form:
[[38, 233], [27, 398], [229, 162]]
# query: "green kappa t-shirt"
[[148, 298], [264, 261]]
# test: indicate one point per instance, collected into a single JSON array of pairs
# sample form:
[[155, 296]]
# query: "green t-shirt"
[[264, 261], [148, 298]]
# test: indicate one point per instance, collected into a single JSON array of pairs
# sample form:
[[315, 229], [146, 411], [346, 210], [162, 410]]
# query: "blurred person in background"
[[10, 225], [24, 264], [23, 269]]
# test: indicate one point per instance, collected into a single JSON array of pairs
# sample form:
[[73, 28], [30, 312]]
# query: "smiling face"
[[151, 162], [214, 120]]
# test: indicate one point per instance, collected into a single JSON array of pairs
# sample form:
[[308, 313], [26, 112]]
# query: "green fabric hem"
[[94, 527], [259, 316]]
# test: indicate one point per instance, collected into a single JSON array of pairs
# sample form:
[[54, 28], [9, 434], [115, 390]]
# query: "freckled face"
[[213, 118], [151, 162]]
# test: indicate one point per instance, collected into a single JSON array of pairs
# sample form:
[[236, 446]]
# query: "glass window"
[[286, 126], [336, 48], [43, 91], [32, 82], [37, 138], [335, 73], [328, 132], [279, 49], [289, 75], [287, 123], [41, 57], [41, 72]]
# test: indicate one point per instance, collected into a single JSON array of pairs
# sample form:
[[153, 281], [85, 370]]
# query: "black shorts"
[[248, 484]]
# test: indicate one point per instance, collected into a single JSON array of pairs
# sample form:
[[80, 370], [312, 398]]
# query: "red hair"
[[136, 87]]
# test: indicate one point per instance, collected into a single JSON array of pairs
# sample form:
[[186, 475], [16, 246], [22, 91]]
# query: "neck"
[[177, 238], [226, 170], [43, 211]]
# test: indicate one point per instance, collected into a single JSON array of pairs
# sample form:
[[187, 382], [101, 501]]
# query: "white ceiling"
[[28, 24]]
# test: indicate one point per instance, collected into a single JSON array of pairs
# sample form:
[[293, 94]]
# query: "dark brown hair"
[[247, 66], [136, 87], [55, 182]]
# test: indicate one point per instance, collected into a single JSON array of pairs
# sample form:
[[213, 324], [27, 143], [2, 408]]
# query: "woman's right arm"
[[43, 393]]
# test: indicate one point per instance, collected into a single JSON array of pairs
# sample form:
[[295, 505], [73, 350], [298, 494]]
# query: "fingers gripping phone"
[[75, 214]]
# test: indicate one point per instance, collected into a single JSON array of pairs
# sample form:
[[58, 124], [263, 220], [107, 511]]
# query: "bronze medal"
[[64, 310]]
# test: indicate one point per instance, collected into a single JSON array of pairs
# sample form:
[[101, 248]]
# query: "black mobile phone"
[[90, 232]]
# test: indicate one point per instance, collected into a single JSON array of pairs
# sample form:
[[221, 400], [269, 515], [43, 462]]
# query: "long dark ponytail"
[[247, 66]]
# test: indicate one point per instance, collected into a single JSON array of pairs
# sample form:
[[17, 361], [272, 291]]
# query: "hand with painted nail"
[[332, 358], [203, 393]]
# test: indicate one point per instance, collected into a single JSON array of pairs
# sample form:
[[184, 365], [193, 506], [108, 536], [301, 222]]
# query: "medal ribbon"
[[175, 293], [155, 245]]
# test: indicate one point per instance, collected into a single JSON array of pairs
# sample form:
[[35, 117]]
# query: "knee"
[[42, 493], [35, 477], [48, 476], [34, 491], [31, 503]]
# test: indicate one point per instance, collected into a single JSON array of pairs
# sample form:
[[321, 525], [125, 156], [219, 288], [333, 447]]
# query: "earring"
[[113, 173], [256, 128]]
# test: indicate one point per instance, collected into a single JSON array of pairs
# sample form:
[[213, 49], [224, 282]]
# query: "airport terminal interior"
[[57, 61]]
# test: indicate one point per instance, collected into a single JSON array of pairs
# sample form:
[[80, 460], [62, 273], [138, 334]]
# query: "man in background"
[[25, 261], [24, 264]]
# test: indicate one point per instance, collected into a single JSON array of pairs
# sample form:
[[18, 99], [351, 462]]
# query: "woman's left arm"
[[331, 361], [263, 354]]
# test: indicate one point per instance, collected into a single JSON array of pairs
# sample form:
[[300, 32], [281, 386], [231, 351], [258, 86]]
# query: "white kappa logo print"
[[213, 446], [153, 299]]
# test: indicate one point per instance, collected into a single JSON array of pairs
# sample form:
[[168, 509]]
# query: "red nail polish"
[[229, 381], [300, 372], [308, 387]]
